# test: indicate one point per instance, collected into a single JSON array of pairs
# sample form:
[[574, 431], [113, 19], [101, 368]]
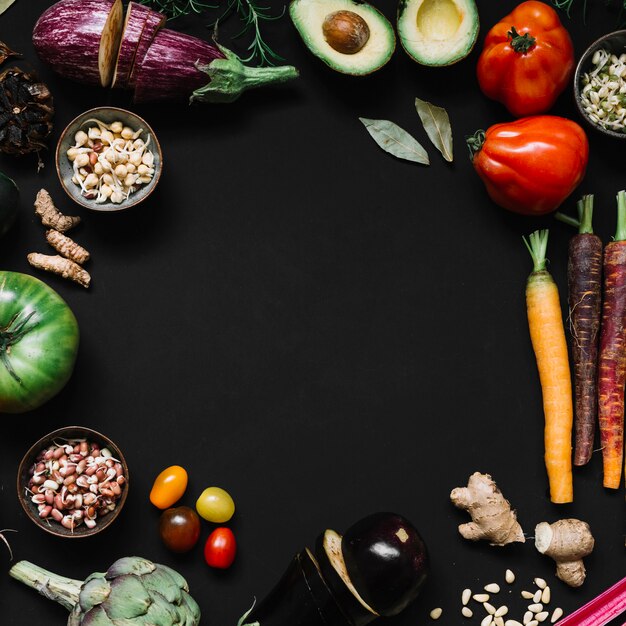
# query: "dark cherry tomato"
[[179, 528], [220, 548]]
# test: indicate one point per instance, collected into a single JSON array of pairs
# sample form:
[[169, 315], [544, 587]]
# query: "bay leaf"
[[395, 140], [5, 4], [6, 52], [437, 126]]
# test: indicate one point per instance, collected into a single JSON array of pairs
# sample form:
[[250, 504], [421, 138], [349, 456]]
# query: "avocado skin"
[[352, 64], [9, 203]]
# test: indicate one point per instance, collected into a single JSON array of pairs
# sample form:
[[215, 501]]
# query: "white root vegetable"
[[492, 516], [567, 541]]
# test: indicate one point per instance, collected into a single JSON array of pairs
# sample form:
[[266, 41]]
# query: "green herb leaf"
[[5, 4], [395, 140], [437, 126]]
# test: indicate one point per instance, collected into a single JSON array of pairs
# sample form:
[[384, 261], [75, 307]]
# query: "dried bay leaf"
[[6, 52], [5, 4], [437, 126], [395, 140]]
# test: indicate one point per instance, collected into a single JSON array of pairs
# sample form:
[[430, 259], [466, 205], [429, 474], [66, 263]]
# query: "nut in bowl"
[[73, 482], [108, 159], [600, 84]]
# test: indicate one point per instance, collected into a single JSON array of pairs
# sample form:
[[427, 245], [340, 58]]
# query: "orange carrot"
[[547, 334]]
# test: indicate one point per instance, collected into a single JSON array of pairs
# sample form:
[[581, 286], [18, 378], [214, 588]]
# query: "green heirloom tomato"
[[38, 342]]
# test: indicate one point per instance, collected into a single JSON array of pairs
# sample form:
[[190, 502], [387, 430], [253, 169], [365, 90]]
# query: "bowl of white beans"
[[108, 159], [600, 84]]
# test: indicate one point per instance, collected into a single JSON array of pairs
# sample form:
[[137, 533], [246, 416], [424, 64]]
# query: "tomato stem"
[[475, 142], [9, 336], [521, 43]]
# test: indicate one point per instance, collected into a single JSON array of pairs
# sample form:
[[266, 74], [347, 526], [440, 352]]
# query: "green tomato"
[[38, 342], [215, 505]]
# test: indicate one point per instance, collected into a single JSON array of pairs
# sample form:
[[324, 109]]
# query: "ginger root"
[[67, 247], [492, 516], [50, 215], [567, 541], [61, 266]]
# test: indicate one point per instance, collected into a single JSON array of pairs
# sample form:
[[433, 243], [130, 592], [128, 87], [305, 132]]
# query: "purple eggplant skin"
[[358, 614], [387, 561], [289, 603], [154, 23]]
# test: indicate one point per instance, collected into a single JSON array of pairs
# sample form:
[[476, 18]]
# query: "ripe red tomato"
[[530, 165], [179, 528], [527, 60], [220, 548]]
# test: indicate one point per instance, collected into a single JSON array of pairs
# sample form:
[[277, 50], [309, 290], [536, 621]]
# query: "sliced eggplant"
[[289, 603], [136, 16], [152, 26], [333, 568], [80, 39], [387, 561]]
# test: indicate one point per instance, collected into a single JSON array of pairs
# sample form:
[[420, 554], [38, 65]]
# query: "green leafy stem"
[[9, 336]]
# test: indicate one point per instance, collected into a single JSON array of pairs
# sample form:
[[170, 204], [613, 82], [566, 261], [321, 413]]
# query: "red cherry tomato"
[[220, 548], [179, 528]]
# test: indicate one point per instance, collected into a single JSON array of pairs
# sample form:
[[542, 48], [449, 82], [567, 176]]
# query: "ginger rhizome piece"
[[61, 266], [67, 247], [50, 215], [567, 541], [492, 516]]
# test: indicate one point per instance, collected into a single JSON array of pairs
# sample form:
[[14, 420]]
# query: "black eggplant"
[[387, 561], [377, 568]]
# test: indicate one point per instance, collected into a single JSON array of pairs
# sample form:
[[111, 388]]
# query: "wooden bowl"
[[107, 115], [59, 436]]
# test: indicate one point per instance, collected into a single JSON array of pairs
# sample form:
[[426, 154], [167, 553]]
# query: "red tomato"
[[527, 59], [531, 165], [220, 548]]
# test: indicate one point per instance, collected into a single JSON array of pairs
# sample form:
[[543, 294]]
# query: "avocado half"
[[438, 32], [351, 37]]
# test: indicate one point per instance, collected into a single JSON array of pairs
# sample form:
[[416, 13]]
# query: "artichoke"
[[132, 592]]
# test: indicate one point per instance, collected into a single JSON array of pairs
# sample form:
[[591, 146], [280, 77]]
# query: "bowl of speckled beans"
[[600, 84]]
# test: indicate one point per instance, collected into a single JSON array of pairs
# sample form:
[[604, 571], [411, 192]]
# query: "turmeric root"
[[67, 247], [61, 266], [567, 541], [50, 215], [492, 516]]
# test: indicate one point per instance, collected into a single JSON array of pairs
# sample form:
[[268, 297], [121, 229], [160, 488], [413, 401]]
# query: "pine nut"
[[535, 608], [512, 622], [481, 597], [528, 617], [541, 617], [503, 610], [557, 615], [545, 595], [533, 623], [492, 588], [436, 613], [489, 608], [467, 612], [527, 595], [509, 576], [537, 595], [487, 620], [465, 596], [498, 621]]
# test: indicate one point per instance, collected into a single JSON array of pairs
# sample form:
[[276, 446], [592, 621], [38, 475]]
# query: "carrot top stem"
[[537, 247], [620, 233], [585, 215]]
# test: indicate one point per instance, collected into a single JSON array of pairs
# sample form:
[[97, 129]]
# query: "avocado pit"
[[345, 31]]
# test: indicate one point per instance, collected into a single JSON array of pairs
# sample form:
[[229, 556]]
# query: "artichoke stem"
[[54, 587]]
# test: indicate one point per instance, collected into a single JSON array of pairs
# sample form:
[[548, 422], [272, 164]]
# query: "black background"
[[311, 324]]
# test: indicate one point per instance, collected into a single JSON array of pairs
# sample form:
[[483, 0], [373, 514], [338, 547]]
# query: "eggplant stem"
[[242, 619]]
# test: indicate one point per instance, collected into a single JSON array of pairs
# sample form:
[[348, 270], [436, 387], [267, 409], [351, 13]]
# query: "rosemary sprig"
[[178, 8]]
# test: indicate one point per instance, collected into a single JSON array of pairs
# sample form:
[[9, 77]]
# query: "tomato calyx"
[[475, 142], [521, 43], [9, 336]]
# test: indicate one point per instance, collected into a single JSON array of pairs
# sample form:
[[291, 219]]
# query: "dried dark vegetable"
[[26, 111], [6, 52]]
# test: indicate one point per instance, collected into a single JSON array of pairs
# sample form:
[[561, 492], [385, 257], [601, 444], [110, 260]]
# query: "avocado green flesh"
[[438, 32], [308, 17]]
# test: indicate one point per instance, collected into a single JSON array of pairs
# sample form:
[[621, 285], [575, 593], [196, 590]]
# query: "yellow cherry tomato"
[[169, 487], [215, 505]]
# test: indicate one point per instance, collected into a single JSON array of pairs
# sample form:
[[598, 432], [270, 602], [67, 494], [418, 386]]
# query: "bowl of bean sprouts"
[[600, 84], [108, 159]]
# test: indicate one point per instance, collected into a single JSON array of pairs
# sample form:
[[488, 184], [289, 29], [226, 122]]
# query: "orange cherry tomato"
[[169, 487]]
